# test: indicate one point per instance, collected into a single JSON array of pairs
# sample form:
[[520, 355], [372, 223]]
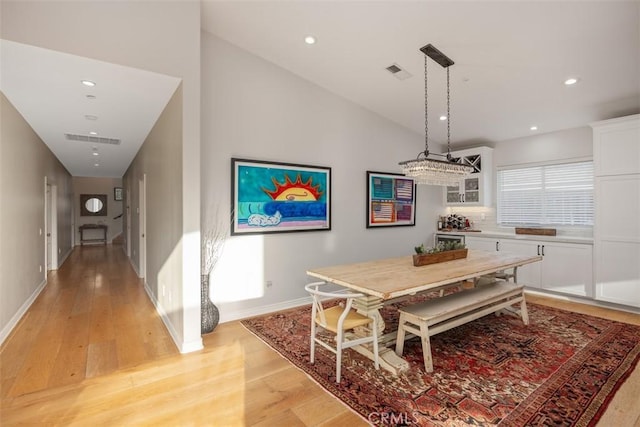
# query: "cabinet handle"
[[463, 198], [538, 250], [497, 246], [542, 250]]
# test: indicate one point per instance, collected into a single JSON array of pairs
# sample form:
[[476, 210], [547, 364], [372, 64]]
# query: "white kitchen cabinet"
[[529, 274], [617, 239], [618, 208], [565, 267], [474, 190], [616, 146], [481, 243], [617, 272], [616, 156]]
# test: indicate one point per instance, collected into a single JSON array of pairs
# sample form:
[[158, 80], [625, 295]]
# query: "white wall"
[[159, 163], [569, 144], [90, 185], [159, 36], [25, 161], [254, 109]]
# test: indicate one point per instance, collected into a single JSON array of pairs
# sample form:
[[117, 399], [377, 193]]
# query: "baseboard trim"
[[584, 300], [6, 331], [257, 311], [183, 347], [135, 268], [64, 257]]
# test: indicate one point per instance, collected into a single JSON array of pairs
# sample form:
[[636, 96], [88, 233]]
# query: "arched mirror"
[[93, 204]]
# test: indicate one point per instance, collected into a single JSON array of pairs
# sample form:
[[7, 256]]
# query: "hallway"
[[93, 350], [92, 318]]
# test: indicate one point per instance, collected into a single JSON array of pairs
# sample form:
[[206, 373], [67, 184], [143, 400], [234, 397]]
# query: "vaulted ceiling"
[[511, 61], [511, 58]]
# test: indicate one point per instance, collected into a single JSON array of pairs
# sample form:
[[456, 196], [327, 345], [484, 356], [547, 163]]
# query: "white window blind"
[[559, 194]]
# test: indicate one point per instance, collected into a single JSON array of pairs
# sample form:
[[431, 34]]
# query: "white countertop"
[[512, 235]]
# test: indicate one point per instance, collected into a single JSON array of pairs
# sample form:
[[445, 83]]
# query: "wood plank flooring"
[[92, 351]]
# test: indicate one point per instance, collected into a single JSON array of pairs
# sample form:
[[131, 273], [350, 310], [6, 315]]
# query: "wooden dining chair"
[[339, 319]]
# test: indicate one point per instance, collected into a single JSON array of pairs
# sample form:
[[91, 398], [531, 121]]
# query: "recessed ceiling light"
[[96, 164], [443, 117], [90, 117], [93, 133], [88, 83], [310, 40], [95, 153], [571, 81], [534, 128]]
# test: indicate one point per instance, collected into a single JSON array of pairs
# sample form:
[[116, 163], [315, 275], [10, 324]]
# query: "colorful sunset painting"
[[391, 200], [274, 197]]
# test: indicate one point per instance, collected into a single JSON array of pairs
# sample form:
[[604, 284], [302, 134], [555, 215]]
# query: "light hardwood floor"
[[92, 350]]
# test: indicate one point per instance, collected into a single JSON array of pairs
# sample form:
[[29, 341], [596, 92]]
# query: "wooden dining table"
[[385, 280]]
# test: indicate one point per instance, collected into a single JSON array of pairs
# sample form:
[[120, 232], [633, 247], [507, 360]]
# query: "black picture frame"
[[118, 194], [391, 200], [276, 197]]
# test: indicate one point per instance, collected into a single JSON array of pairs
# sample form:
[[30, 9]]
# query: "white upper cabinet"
[[616, 146], [474, 190]]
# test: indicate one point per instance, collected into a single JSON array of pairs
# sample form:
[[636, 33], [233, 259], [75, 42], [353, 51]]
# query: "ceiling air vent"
[[398, 72], [92, 139]]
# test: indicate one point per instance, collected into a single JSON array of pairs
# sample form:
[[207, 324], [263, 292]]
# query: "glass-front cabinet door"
[[476, 189], [453, 194], [471, 190]]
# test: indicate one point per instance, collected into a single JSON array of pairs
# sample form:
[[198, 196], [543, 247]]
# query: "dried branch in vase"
[[213, 237]]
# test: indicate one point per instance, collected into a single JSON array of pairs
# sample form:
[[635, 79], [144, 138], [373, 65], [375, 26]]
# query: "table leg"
[[389, 360], [370, 306]]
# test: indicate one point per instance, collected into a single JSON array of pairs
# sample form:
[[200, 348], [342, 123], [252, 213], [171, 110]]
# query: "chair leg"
[[426, 346], [338, 356], [400, 336], [313, 342]]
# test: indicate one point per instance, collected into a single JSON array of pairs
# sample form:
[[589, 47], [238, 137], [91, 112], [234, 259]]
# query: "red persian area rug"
[[561, 370]]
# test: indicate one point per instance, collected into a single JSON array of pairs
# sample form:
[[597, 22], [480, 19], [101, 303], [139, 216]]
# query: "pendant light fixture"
[[429, 171]]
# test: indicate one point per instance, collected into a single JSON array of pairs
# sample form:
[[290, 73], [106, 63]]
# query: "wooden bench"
[[441, 314]]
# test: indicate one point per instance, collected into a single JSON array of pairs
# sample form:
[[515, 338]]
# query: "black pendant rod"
[[436, 55]]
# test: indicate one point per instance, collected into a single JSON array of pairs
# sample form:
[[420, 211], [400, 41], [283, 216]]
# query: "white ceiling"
[[511, 58], [45, 87]]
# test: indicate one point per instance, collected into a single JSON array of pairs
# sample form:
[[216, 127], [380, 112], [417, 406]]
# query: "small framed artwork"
[[391, 200], [272, 197], [117, 194]]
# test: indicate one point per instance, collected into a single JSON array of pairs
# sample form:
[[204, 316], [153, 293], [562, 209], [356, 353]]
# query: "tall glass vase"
[[209, 315]]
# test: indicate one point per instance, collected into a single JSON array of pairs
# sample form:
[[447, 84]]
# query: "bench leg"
[[523, 311], [426, 346], [400, 337]]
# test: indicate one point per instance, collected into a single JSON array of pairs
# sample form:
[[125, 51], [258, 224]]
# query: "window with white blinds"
[[560, 194]]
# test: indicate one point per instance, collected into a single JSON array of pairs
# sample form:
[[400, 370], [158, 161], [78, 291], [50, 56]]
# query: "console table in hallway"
[[85, 227]]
